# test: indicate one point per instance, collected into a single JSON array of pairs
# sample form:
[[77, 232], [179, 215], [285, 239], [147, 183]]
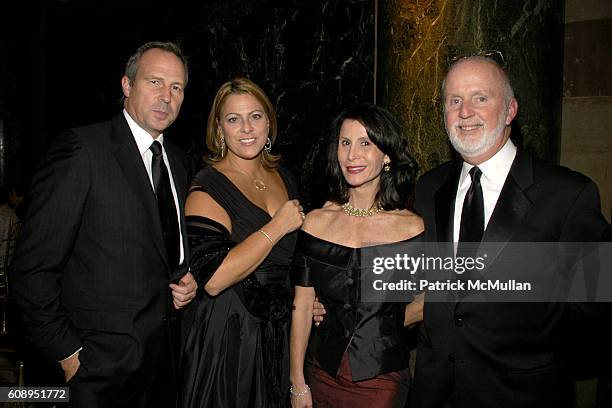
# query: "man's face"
[[475, 111], [155, 97]]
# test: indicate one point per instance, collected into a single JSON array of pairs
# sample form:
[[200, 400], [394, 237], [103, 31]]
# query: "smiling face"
[[361, 160], [477, 109], [154, 99], [244, 125]]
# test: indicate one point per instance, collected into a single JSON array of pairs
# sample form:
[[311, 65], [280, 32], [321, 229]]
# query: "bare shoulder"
[[405, 223], [318, 220], [202, 204]]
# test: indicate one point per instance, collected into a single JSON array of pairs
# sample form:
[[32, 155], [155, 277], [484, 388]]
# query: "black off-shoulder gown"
[[236, 350]]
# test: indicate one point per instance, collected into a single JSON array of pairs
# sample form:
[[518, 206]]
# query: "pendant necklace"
[[257, 183], [260, 185]]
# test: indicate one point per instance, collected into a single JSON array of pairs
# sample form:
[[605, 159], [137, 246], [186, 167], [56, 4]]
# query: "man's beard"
[[474, 147]]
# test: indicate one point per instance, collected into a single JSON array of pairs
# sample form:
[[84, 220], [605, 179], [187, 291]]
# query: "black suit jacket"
[[503, 354], [90, 268]]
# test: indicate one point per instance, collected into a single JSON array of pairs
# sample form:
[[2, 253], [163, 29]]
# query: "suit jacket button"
[[348, 306], [349, 282], [458, 322], [347, 333], [451, 357]]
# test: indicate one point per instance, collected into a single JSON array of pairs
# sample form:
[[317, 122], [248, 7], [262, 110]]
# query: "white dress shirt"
[[494, 174], [144, 140]]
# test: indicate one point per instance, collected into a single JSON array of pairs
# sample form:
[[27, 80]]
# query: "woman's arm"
[[301, 324], [246, 256]]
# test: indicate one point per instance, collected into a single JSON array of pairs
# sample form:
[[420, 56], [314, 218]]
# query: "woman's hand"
[[301, 397], [287, 218]]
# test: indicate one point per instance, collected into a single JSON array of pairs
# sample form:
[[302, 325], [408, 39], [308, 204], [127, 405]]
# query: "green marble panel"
[[418, 38]]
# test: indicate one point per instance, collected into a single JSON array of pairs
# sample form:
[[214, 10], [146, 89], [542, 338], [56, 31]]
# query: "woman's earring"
[[268, 145], [222, 144], [387, 167]]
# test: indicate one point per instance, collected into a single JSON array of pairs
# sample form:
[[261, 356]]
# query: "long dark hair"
[[383, 129]]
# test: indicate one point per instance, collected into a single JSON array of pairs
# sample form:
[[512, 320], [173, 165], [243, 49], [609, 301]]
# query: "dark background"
[[62, 62]]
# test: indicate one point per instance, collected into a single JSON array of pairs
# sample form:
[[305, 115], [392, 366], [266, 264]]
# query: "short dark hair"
[[131, 67], [384, 130]]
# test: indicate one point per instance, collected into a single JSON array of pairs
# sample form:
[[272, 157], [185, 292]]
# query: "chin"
[[249, 154]]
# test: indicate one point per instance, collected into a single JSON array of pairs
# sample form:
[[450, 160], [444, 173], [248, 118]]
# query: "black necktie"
[[165, 205], [472, 217]]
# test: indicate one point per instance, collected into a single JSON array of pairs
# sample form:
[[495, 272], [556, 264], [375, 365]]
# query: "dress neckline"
[[235, 187], [314, 237]]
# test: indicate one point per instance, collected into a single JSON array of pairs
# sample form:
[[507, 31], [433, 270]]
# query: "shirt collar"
[[142, 137], [496, 169]]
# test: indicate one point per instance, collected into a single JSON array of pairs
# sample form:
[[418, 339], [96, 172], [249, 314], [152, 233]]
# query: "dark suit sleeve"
[[585, 224], [54, 215], [584, 221], [419, 198]]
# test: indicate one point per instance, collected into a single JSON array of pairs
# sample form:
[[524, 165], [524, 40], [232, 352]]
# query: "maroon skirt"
[[388, 390]]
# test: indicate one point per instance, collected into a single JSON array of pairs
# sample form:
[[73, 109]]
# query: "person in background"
[[242, 211], [9, 230], [357, 356], [97, 268]]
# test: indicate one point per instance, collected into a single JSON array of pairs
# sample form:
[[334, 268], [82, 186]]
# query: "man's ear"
[[125, 85], [512, 111]]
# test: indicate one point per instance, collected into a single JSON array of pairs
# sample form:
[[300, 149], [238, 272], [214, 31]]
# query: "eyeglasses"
[[493, 55]]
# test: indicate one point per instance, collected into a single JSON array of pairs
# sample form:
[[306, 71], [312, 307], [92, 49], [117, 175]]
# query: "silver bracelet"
[[299, 394], [265, 234]]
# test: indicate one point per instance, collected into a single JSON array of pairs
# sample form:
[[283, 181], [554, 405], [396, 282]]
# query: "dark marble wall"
[[62, 61], [418, 39], [312, 57]]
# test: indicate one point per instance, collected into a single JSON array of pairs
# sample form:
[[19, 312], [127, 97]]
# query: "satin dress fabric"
[[359, 355]]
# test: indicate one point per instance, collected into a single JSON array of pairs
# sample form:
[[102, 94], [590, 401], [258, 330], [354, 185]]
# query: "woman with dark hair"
[[357, 356], [241, 215]]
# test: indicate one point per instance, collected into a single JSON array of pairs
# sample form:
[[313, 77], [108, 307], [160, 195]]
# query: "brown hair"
[[213, 136]]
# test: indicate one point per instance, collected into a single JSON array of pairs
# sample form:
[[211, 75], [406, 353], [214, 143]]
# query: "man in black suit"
[[96, 271], [475, 354]]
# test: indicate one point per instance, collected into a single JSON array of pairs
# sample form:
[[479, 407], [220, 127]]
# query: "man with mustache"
[[99, 270], [483, 354]]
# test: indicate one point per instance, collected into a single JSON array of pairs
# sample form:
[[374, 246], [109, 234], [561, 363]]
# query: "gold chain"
[[361, 212]]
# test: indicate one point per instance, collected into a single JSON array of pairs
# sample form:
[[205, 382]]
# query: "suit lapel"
[[444, 200], [445, 204], [127, 155], [512, 205]]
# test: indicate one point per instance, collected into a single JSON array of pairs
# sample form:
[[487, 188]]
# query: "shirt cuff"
[[80, 348]]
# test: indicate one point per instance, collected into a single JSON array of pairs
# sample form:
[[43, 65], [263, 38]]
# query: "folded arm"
[[246, 256]]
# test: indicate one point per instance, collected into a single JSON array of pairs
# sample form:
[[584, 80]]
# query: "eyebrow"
[[161, 78], [253, 111]]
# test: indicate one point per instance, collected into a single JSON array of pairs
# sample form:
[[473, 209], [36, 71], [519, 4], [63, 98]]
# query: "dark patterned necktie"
[[472, 217], [165, 205]]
